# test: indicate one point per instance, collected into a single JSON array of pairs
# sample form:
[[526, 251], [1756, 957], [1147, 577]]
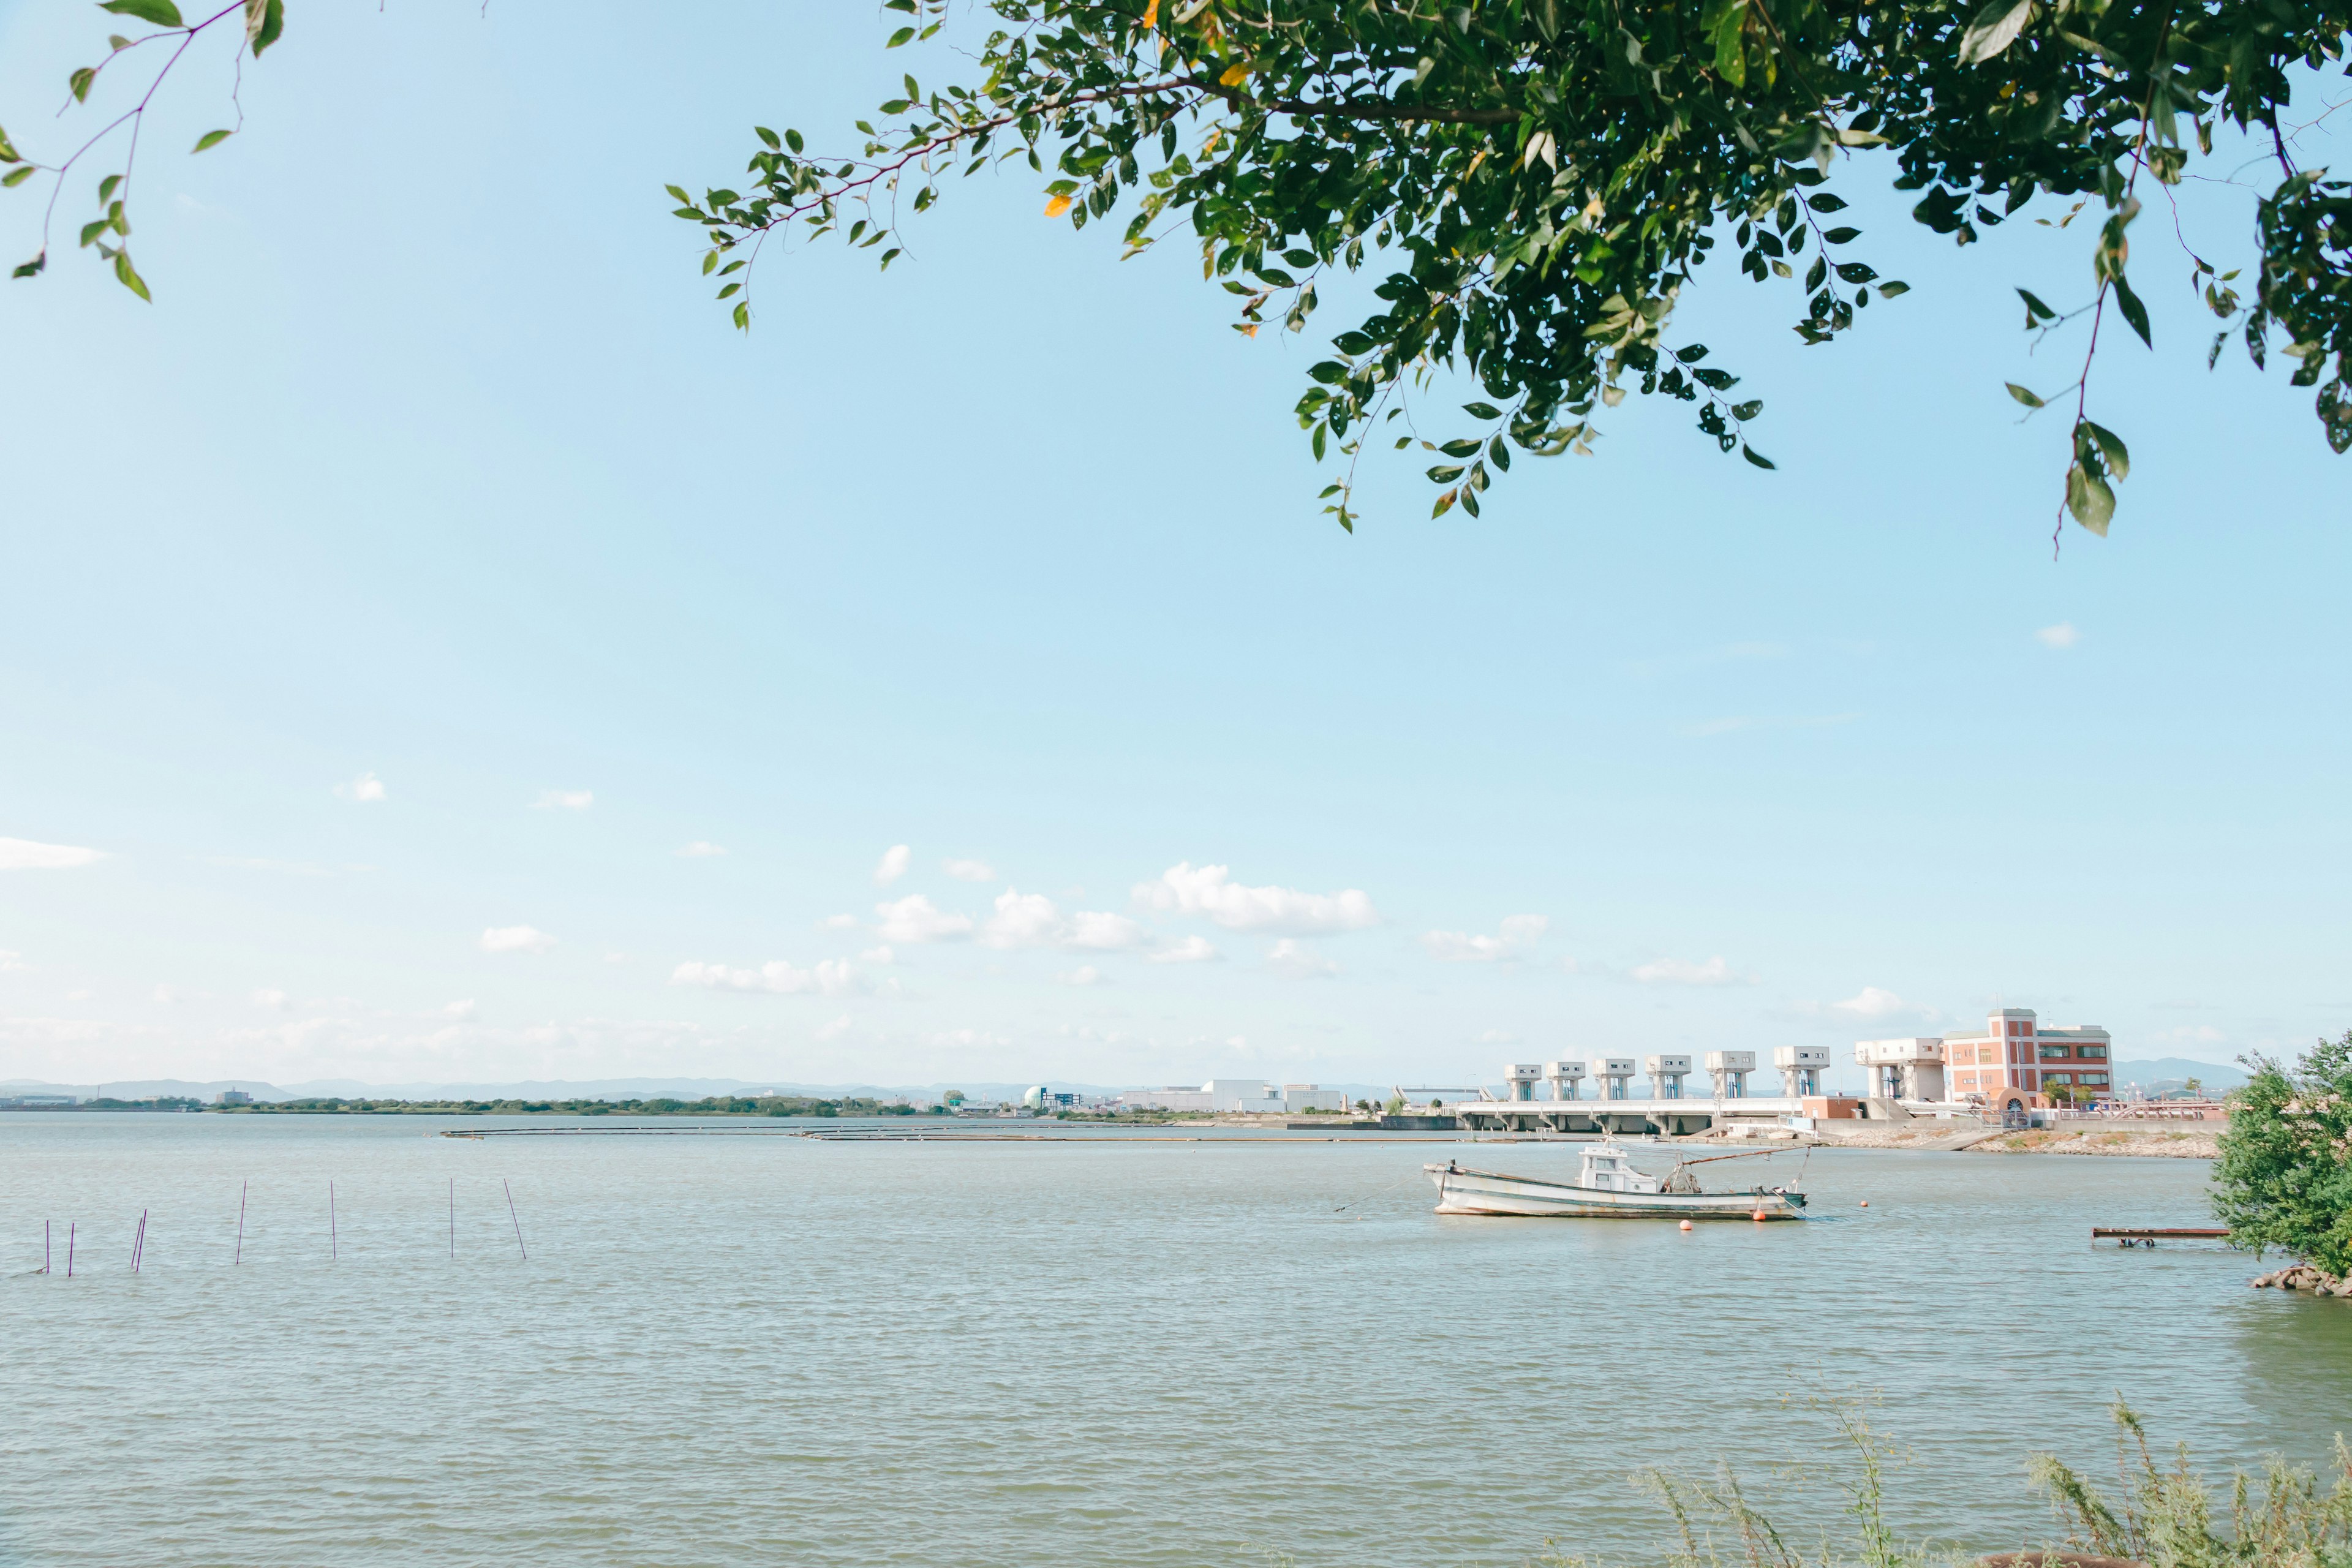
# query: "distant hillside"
[[2169, 1071]]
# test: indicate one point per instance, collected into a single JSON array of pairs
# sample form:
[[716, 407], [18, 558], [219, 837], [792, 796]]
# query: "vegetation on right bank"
[[2283, 1177], [2165, 1516]]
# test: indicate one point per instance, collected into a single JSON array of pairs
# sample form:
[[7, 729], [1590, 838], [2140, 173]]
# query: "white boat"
[[1607, 1187]]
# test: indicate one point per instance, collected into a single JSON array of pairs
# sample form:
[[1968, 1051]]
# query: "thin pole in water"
[[240, 1222], [517, 1223], [44, 1245], [70, 1228], [334, 1245], [138, 1247]]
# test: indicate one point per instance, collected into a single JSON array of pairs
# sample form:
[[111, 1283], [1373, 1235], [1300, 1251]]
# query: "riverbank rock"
[[2304, 1276], [2164, 1143]]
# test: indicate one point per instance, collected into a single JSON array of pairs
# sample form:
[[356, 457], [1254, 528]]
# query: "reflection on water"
[[772, 1348]]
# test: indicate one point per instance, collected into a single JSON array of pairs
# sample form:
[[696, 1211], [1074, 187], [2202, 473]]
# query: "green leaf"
[[2035, 310], [1841, 237], [1458, 448], [32, 268], [1995, 28], [1887, 290], [1744, 412], [1757, 458], [105, 186], [2134, 311], [898, 38], [2029, 399], [210, 138], [90, 231], [793, 140], [263, 20], [17, 176], [2111, 448], [2090, 500], [1444, 475], [8, 153], [79, 83], [1827, 202], [1482, 411], [770, 137], [710, 262], [1856, 271], [131, 278], [162, 13], [1817, 274]]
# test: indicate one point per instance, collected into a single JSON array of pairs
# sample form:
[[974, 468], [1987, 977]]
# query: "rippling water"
[[768, 1349]]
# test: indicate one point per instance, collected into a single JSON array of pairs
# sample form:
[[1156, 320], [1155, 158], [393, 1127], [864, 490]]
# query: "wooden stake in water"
[[138, 1247], [334, 1245], [70, 1228], [517, 1223], [240, 1223]]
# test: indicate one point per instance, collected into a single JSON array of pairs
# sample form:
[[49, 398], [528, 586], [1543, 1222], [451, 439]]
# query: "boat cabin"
[[1607, 1170]]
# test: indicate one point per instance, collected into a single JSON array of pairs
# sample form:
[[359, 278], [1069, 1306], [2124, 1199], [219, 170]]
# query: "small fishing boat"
[[1607, 1187]]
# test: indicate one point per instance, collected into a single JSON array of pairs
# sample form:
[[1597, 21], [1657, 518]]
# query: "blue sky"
[[432, 561]]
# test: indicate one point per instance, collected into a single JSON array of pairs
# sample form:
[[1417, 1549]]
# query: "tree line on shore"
[[709, 1105]]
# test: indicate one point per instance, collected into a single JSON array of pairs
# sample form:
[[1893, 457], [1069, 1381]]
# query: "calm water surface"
[[776, 1350]]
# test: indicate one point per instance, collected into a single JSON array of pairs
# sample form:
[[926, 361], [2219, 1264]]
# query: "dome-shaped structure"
[[1035, 1098]]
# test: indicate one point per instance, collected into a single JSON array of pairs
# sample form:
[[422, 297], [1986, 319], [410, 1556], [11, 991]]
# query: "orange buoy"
[[1865, 1202], [1760, 1214], [1686, 1225]]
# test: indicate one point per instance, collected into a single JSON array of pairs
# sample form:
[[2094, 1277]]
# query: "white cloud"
[[831, 978], [1520, 933], [1192, 950], [700, 849], [1292, 960], [878, 955], [267, 998], [841, 922], [835, 1029], [11, 962], [564, 800], [23, 855], [969, 870], [2063, 635], [1871, 1001], [1683, 972], [1032, 920], [459, 1010], [516, 939], [962, 1038], [892, 866], [1209, 890], [913, 919], [167, 993], [366, 788], [1083, 974], [1100, 931], [1022, 920]]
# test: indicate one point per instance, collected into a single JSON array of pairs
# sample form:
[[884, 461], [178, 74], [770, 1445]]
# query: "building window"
[[2057, 1077], [2092, 1053], [2093, 1077], [2052, 1052]]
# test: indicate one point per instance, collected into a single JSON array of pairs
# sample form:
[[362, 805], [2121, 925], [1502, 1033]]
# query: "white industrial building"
[[1231, 1096]]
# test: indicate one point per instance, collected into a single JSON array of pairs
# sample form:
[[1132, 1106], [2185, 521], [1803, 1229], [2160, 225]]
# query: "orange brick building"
[[2014, 1060]]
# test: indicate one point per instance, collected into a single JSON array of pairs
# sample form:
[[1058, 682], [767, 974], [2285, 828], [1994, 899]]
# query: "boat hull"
[[1461, 1192]]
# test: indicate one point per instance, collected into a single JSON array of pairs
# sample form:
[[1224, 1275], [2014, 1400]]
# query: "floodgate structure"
[[2014, 1065]]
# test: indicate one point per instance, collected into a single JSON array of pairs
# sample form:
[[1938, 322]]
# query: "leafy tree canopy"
[[2284, 1176], [1535, 182], [1538, 180]]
